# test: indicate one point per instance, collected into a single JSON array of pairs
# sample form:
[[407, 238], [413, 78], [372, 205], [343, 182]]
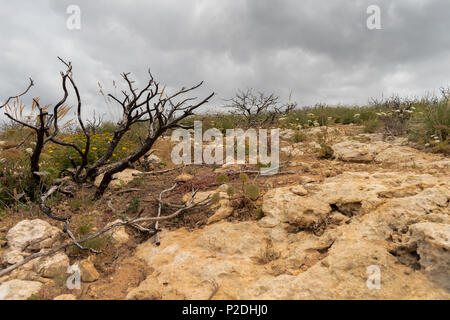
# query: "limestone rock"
[[442, 164], [13, 256], [314, 145], [119, 235], [292, 151], [30, 235], [184, 177], [120, 178], [338, 218], [433, 247], [19, 289], [65, 297], [223, 209], [283, 205], [363, 214], [52, 266], [299, 190], [88, 271], [153, 159], [287, 134], [350, 150], [400, 155]]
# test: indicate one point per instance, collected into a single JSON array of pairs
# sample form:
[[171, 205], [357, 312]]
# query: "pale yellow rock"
[[52, 266], [292, 151], [88, 271], [433, 247], [264, 259], [152, 159], [351, 150], [119, 235], [284, 205], [299, 190], [120, 178], [19, 289], [65, 297], [223, 209], [30, 235], [184, 177], [400, 155]]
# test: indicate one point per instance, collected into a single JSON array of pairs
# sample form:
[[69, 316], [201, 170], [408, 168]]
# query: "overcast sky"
[[320, 50]]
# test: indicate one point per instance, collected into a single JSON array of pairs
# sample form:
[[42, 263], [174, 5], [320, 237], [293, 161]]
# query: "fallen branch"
[[132, 222], [157, 241], [157, 172], [215, 289], [257, 172], [128, 190]]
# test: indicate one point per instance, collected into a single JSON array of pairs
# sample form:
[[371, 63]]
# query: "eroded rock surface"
[[433, 246], [318, 244], [386, 153], [350, 150], [19, 289], [120, 178]]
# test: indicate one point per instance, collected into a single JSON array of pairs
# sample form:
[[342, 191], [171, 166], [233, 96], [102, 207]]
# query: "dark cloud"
[[320, 50]]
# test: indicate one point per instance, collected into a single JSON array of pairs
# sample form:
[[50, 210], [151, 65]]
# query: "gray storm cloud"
[[318, 50]]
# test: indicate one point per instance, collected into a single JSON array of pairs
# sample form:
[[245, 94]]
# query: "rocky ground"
[[378, 205]]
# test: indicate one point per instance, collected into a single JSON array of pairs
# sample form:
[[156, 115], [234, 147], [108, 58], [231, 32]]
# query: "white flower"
[[316, 124], [29, 150], [356, 115]]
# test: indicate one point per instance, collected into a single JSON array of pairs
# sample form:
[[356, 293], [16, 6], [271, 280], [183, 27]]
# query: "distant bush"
[[299, 137], [325, 150], [437, 117], [430, 124], [396, 115], [371, 126]]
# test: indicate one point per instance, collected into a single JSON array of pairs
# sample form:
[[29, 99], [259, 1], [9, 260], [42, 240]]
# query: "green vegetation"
[[425, 121], [133, 206]]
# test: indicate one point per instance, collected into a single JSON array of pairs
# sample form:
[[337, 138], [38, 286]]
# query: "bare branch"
[[19, 95]]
